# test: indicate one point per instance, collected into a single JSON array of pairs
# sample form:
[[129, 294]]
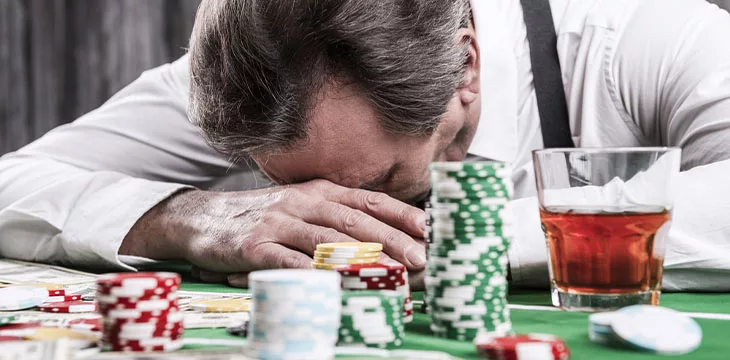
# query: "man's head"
[[361, 93]]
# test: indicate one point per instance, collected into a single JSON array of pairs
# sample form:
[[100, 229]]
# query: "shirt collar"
[[496, 135]]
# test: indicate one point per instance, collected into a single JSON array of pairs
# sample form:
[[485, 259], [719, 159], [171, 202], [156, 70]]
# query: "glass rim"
[[609, 150]]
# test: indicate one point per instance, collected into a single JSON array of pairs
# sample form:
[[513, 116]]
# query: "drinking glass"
[[606, 215]]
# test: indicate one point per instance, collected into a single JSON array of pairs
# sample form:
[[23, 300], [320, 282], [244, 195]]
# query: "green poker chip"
[[7, 319], [368, 307]]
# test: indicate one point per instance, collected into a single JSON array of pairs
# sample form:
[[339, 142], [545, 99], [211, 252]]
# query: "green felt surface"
[[571, 327]]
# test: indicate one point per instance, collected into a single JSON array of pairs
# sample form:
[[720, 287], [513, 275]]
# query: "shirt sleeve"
[[71, 196], [672, 70]]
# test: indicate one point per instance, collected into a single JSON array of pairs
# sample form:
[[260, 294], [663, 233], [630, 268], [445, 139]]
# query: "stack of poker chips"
[[372, 319], [329, 256], [379, 277], [517, 347], [295, 314], [140, 312], [469, 234]]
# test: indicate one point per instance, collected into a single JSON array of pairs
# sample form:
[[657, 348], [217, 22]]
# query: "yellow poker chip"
[[320, 266], [342, 261], [46, 286], [357, 255], [50, 333], [349, 247], [221, 305]]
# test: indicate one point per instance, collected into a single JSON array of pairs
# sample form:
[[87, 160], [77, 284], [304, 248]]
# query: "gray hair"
[[257, 65]]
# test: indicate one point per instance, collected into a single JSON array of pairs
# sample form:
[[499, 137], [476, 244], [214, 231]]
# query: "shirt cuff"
[[109, 221], [528, 251]]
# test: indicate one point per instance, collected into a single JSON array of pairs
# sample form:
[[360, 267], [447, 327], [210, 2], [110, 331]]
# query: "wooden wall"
[[62, 58]]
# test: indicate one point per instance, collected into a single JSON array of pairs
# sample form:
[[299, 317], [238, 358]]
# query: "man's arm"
[[113, 183], [73, 195], [672, 69]]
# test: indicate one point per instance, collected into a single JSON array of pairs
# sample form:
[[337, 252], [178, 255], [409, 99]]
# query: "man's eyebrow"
[[375, 183]]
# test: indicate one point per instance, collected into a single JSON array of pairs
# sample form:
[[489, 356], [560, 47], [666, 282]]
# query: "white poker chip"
[[21, 297], [657, 329]]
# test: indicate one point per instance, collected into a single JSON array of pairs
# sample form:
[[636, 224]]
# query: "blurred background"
[[62, 58]]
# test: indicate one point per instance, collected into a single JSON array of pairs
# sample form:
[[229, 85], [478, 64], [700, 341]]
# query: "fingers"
[[208, 276], [363, 227], [238, 280], [415, 280], [276, 256], [391, 211], [305, 237]]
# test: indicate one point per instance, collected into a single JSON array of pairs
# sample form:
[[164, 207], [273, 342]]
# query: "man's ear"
[[469, 89]]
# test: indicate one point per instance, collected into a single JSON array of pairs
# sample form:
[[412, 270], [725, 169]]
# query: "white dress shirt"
[[636, 73]]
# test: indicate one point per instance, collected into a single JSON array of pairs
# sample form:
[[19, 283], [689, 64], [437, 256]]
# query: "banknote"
[[15, 272], [36, 350]]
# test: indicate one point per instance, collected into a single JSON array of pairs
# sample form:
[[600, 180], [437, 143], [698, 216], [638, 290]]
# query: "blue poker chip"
[[599, 328], [656, 329]]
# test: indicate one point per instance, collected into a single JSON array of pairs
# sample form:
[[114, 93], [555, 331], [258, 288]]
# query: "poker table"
[[571, 327]]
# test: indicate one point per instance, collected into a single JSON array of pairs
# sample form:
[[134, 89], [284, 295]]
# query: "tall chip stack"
[[295, 314], [140, 312], [372, 319], [466, 285]]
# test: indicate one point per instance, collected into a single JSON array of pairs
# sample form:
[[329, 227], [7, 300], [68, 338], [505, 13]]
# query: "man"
[[343, 102]]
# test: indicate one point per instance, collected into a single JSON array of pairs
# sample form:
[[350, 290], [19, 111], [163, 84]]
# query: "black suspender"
[[551, 103]]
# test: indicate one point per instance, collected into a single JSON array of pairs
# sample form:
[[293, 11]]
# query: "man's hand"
[[279, 227]]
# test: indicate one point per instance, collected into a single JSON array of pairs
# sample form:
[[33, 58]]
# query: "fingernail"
[[417, 257]]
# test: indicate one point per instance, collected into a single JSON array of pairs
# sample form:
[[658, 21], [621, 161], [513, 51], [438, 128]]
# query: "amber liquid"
[[599, 252]]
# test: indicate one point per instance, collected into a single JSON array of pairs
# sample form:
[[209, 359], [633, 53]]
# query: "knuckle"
[[391, 238], [351, 218], [326, 235], [372, 200]]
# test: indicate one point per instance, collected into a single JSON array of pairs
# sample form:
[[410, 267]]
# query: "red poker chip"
[[85, 324], [139, 279], [520, 347], [157, 327], [145, 317], [62, 298], [135, 294], [58, 292], [370, 270], [69, 307], [10, 338], [164, 305]]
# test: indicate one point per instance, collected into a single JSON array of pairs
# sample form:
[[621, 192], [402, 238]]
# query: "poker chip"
[[86, 324], [519, 347], [345, 261], [21, 297], [140, 312], [347, 255], [294, 314], [221, 305], [4, 338], [656, 329], [379, 277], [372, 319], [599, 328], [331, 255], [6, 319], [238, 327], [467, 241], [62, 298], [350, 247], [19, 329], [69, 307], [56, 292]]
